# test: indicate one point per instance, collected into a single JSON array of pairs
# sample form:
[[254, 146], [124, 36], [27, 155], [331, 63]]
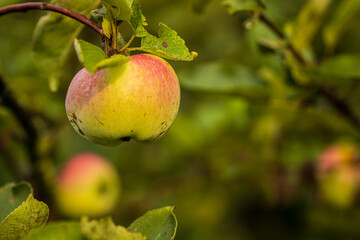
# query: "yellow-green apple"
[[338, 172], [135, 100], [87, 185]]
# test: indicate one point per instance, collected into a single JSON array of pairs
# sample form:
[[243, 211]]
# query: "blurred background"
[[257, 150]]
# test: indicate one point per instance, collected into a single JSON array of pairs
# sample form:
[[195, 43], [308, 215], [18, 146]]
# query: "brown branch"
[[339, 104], [24, 7]]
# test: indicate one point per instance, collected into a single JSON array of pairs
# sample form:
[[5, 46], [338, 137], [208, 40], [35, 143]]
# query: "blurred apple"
[[338, 171], [136, 100], [87, 185]]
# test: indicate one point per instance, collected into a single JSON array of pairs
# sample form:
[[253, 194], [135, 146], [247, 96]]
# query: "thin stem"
[[24, 7], [134, 49], [114, 41], [127, 44], [339, 104]]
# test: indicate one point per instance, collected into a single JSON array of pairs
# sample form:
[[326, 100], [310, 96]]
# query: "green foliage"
[[235, 6], [138, 20], [57, 231], [24, 214], [118, 9], [54, 36], [105, 229], [199, 5], [88, 54], [167, 45], [158, 224]]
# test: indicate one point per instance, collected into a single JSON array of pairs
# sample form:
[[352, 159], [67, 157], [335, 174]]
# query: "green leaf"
[[57, 231], [168, 45], [12, 195], [224, 77], [119, 9], [89, 54], [343, 65], [199, 6], [235, 6], [105, 229], [54, 35], [307, 24], [137, 20], [30, 215], [98, 14], [106, 26], [158, 224], [344, 16], [113, 61]]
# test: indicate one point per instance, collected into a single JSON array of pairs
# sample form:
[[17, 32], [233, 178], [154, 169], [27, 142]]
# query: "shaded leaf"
[[235, 6], [138, 20], [223, 77], [98, 14], [30, 215], [119, 9], [307, 24], [168, 45], [89, 54], [346, 12], [158, 224], [54, 35], [57, 231], [12, 195], [105, 229]]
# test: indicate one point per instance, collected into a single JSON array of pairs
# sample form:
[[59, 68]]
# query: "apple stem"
[[24, 7], [127, 44], [339, 104]]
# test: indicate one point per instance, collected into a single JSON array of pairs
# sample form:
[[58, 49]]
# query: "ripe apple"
[[87, 185], [136, 100], [338, 172]]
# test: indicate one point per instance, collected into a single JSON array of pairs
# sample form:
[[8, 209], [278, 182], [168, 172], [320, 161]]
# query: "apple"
[[137, 100], [338, 172], [87, 185]]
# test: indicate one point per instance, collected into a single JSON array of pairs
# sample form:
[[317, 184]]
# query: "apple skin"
[[87, 185], [338, 172], [136, 100]]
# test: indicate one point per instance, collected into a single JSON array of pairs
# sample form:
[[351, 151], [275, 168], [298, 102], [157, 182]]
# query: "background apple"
[[87, 185], [139, 99], [338, 172]]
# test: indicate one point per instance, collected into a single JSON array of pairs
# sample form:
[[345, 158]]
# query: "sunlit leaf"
[[235, 6], [158, 224], [89, 54], [167, 45], [57, 231], [30, 215], [119, 9], [106, 26], [105, 229], [113, 61]]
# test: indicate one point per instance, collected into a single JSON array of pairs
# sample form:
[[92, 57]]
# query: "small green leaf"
[[98, 14], [106, 26], [29, 216], [119, 9], [57, 231], [89, 54], [113, 61], [12, 195], [235, 6], [105, 229], [137, 20], [168, 45], [158, 224]]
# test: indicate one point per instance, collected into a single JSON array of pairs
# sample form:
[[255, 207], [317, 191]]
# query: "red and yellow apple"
[[87, 185], [135, 100], [338, 171]]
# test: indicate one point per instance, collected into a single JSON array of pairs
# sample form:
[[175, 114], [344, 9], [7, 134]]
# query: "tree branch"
[[24, 7], [339, 104]]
